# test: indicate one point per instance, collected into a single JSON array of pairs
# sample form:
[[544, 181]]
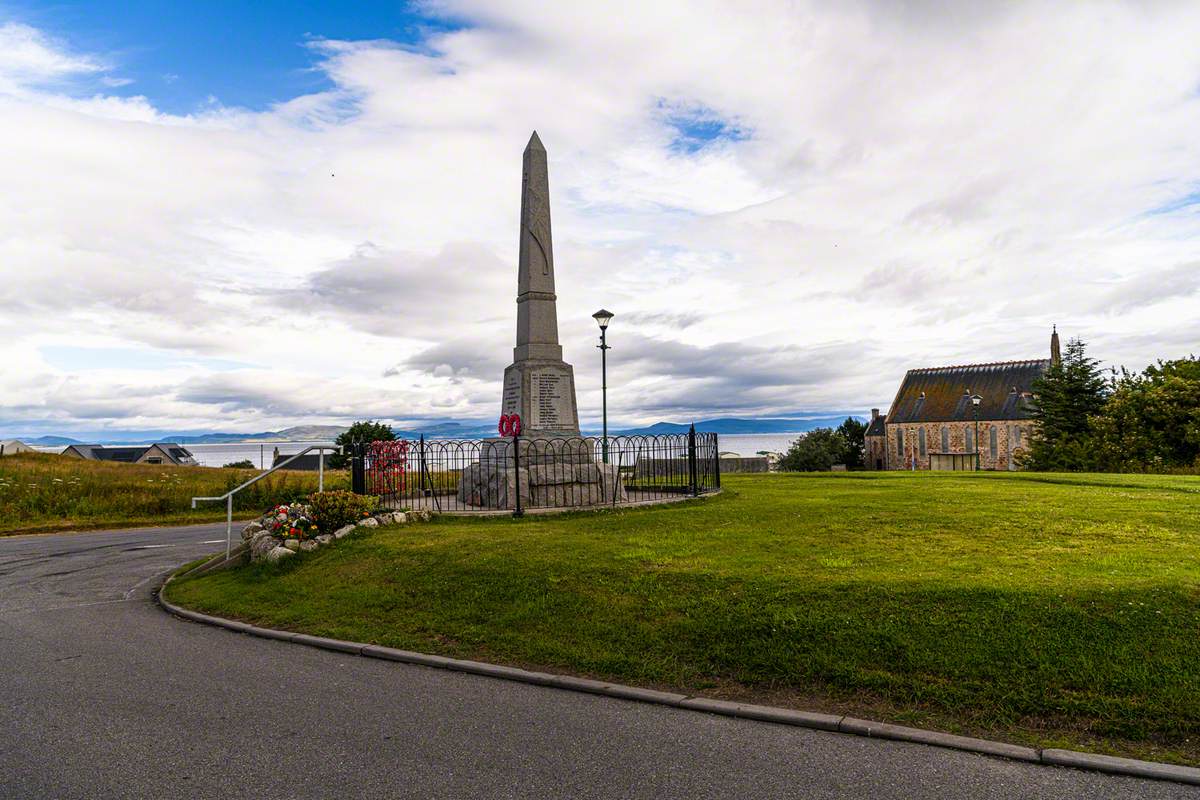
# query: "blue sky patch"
[[1178, 204], [182, 56], [698, 126]]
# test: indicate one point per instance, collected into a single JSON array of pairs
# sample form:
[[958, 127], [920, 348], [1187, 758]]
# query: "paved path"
[[106, 696]]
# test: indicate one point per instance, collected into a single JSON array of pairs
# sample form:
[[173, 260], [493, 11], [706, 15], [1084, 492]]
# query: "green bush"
[[243, 464], [333, 510], [360, 432], [817, 451]]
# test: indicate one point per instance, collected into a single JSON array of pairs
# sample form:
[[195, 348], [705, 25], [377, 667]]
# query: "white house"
[[10, 447]]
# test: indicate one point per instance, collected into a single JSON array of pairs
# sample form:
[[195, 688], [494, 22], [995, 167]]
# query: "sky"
[[246, 216]]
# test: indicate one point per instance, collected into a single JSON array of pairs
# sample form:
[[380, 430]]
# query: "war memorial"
[[540, 459]]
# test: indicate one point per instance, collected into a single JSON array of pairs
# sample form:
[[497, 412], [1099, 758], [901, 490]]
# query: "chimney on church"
[[874, 414], [1055, 350]]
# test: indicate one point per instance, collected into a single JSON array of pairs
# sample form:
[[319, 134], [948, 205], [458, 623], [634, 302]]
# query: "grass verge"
[[40, 493], [1051, 610]]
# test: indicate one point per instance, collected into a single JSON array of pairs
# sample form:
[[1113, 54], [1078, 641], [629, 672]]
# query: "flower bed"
[[287, 529], [290, 521]]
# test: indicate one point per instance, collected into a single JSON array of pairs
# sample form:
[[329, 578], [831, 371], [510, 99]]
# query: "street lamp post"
[[975, 401], [602, 318]]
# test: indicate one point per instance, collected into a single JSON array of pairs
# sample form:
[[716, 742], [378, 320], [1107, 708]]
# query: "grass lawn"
[[1054, 610], [43, 492]]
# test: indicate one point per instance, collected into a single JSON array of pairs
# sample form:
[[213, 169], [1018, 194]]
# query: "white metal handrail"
[[228, 496]]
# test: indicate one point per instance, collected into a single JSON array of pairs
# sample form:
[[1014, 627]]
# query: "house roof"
[[171, 450], [122, 454], [130, 455], [179, 453], [943, 394], [876, 426], [82, 450]]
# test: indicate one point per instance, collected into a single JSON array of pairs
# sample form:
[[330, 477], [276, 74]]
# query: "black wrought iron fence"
[[519, 473]]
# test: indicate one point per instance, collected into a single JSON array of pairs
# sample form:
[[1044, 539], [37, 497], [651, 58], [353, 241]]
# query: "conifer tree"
[[1066, 397]]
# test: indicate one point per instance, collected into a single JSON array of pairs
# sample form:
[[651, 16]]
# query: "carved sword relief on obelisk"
[[539, 224]]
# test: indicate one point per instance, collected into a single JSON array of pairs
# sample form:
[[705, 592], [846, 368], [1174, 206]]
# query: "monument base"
[[553, 473], [542, 392]]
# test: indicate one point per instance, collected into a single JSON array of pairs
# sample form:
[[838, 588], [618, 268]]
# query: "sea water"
[[262, 454]]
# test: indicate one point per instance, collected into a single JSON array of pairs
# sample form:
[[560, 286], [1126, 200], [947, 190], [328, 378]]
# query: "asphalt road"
[[106, 696]]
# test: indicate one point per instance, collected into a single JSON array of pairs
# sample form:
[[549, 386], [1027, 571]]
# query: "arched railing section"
[[521, 473]]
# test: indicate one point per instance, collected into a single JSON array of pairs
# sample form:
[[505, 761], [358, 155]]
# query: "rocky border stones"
[[264, 546]]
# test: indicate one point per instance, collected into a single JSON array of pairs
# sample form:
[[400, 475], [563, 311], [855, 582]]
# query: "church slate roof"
[[876, 426], [943, 394]]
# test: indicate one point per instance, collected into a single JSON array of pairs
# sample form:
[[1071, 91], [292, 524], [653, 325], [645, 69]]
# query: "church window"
[[993, 440], [1016, 436], [921, 441], [970, 440], [900, 442], [945, 439]]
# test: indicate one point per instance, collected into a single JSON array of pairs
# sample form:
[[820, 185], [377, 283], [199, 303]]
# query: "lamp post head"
[[602, 318], [976, 400]]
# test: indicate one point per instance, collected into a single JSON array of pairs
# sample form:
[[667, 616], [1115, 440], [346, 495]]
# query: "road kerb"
[[328, 644], [1122, 766], [406, 656], [783, 716], [262, 633], [900, 733], [643, 695]]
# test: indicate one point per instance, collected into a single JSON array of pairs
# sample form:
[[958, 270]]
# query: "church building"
[[946, 418]]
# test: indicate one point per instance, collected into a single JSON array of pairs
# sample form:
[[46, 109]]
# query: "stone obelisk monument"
[[538, 385], [549, 464]]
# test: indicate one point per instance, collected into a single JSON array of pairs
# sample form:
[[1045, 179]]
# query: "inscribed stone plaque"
[[547, 390], [511, 404]]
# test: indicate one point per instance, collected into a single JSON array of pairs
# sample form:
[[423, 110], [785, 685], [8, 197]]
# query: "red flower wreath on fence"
[[389, 467]]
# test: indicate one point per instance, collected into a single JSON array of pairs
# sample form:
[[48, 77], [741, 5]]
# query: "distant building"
[[874, 441], [10, 447], [732, 462], [932, 421], [309, 462], [159, 453]]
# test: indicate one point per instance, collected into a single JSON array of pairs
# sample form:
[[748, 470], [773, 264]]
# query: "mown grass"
[[43, 492], [1046, 609]]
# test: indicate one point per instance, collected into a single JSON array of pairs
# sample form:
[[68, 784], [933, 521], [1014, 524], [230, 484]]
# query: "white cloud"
[[28, 56], [905, 185]]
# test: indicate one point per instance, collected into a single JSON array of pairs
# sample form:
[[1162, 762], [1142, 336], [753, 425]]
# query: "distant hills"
[[51, 441], [444, 429], [746, 425], [300, 433]]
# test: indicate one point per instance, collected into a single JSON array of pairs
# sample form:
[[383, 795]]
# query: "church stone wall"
[[1012, 439], [874, 452]]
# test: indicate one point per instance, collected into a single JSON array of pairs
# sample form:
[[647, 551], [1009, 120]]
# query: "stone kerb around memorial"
[[519, 474]]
